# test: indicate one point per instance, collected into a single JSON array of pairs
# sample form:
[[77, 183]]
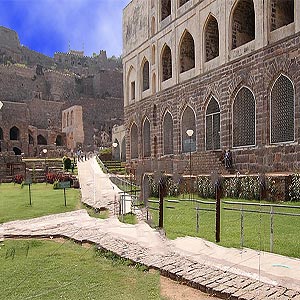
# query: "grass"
[[38, 269], [14, 201], [181, 221], [129, 218]]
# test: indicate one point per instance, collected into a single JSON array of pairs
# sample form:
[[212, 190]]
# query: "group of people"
[[81, 156]]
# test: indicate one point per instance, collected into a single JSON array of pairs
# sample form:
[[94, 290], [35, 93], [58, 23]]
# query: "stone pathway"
[[226, 273]]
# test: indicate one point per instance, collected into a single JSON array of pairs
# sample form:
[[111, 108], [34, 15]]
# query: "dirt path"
[[173, 290]]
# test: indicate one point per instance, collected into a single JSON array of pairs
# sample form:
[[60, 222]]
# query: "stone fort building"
[[35, 90], [228, 70]]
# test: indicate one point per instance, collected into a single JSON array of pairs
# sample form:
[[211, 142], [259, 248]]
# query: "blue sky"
[[49, 26]]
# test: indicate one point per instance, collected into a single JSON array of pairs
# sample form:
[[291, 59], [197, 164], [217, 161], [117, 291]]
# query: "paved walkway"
[[225, 272]]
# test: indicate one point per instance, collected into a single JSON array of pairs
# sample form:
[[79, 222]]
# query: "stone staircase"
[[207, 163]]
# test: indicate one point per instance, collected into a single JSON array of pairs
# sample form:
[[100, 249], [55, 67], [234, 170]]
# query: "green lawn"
[[181, 221], [38, 269], [14, 201]]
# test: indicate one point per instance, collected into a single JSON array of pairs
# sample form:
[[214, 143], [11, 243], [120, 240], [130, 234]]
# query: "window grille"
[[282, 111], [243, 119], [213, 125]]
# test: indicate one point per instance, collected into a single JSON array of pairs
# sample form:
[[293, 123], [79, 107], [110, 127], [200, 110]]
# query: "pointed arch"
[[242, 23], [153, 53], [211, 38], [14, 134], [166, 62], [188, 121], [282, 105], [146, 133], [131, 89], [186, 52], [17, 151], [244, 118], [182, 2], [134, 141], [59, 140], [153, 26], [165, 8], [212, 125], [145, 75], [153, 83], [282, 13], [168, 147]]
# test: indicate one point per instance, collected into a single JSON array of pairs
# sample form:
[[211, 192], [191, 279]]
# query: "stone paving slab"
[[80, 227]]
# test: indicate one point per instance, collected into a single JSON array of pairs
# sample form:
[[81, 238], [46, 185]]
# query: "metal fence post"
[[197, 218], [271, 228], [242, 226]]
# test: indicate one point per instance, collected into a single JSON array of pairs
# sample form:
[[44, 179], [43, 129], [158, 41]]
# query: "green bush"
[[67, 163], [294, 188], [205, 187]]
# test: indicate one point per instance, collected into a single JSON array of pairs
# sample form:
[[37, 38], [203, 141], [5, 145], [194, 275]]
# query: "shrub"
[[67, 163], [231, 187], [19, 178], [294, 188], [250, 188], [205, 187]]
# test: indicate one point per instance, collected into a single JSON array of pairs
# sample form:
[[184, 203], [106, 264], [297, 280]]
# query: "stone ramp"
[[175, 259]]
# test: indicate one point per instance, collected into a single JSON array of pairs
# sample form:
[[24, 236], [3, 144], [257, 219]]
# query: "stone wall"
[[257, 71]]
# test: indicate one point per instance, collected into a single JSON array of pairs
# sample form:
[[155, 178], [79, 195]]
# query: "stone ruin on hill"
[[36, 89]]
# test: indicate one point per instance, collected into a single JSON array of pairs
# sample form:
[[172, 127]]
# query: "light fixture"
[[190, 132]]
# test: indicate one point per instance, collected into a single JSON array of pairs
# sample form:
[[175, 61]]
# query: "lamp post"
[[45, 153], [190, 133], [115, 145]]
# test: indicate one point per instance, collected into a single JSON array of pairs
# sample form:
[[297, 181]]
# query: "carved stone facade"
[[239, 91]]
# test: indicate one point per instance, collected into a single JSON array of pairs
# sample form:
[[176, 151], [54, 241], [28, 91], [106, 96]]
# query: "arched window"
[[282, 13], [68, 119], [146, 139], [243, 119], [146, 75], [243, 23], [211, 37], [187, 52], [17, 151], [166, 63], [59, 141], [41, 140], [153, 83], [131, 77], [64, 120], [134, 141], [168, 134], [153, 26], [165, 8], [213, 125], [188, 122], [153, 55], [181, 2], [282, 111], [1, 134], [14, 134]]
